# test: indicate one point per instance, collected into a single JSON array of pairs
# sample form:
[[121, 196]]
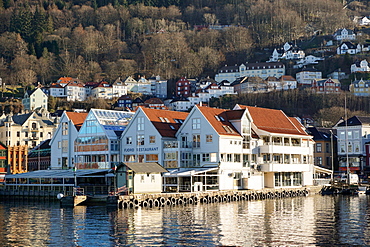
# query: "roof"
[[150, 167], [153, 101], [166, 122], [77, 118], [58, 173], [356, 120], [219, 119], [190, 172], [321, 134], [274, 121]]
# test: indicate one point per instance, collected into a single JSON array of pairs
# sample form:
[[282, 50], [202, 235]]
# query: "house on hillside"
[[35, 99], [344, 34], [360, 66]]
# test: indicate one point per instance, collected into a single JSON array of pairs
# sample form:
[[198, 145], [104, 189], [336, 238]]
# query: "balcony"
[[33, 138], [276, 167], [293, 149], [93, 165], [34, 129]]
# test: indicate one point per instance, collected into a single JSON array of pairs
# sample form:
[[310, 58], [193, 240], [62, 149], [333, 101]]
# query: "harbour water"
[[298, 221]]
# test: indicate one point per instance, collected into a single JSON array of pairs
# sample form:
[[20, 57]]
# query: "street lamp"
[[332, 155]]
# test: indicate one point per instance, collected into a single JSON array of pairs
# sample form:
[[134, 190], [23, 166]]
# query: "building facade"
[[35, 99], [62, 143], [263, 70]]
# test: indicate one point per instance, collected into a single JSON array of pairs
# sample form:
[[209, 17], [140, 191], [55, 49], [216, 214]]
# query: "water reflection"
[[303, 221]]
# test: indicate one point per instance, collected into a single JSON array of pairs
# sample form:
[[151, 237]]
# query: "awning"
[[60, 173], [320, 169], [148, 167], [188, 173]]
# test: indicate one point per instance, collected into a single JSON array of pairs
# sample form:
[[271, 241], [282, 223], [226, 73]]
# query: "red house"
[[183, 88]]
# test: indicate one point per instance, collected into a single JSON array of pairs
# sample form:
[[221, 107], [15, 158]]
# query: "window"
[[129, 140], [140, 140], [151, 157], [64, 146], [205, 157], [65, 128], [318, 147], [151, 139], [319, 161], [142, 178], [196, 141], [196, 159], [327, 147], [196, 123], [41, 134], [18, 133], [229, 158], [236, 157], [209, 138], [140, 123]]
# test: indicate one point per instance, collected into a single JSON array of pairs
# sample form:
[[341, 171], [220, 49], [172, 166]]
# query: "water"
[[300, 221]]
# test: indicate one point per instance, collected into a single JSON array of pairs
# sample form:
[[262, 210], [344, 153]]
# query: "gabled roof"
[[154, 101], [166, 122], [356, 120], [219, 119], [274, 121], [77, 118], [150, 167]]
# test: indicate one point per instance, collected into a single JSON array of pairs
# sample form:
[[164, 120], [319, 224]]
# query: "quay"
[[171, 199], [159, 199]]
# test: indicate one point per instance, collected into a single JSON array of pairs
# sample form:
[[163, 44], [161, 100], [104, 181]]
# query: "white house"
[[62, 143], [306, 75], [361, 20], [307, 60], [75, 91], [344, 34], [34, 99], [360, 66], [244, 148], [119, 88], [147, 134], [102, 90], [141, 86], [180, 104], [347, 47]]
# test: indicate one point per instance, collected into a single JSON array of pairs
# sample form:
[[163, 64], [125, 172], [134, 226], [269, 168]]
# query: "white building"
[[352, 137], [244, 148], [263, 70], [306, 75], [119, 88], [347, 47], [180, 104], [62, 143], [344, 34], [102, 90], [75, 91], [140, 86], [310, 59], [34, 99], [147, 134], [360, 66]]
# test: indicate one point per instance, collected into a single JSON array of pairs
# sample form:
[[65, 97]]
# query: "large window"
[[140, 123], [288, 179], [196, 141], [151, 157]]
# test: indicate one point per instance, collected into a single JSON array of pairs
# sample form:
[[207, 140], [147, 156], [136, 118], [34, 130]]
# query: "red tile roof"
[[218, 118], [274, 121], [77, 118], [164, 119]]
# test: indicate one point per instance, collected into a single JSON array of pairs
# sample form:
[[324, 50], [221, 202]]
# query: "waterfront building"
[[352, 136], [35, 99], [26, 129], [62, 143], [18, 159], [263, 70], [149, 131], [3, 161], [244, 148], [325, 148], [39, 157], [97, 145], [140, 177]]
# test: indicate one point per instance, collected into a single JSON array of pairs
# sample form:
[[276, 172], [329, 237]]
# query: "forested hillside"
[[105, 39]]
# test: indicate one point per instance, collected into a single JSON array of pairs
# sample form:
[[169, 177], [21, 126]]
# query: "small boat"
[[361, 190]]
